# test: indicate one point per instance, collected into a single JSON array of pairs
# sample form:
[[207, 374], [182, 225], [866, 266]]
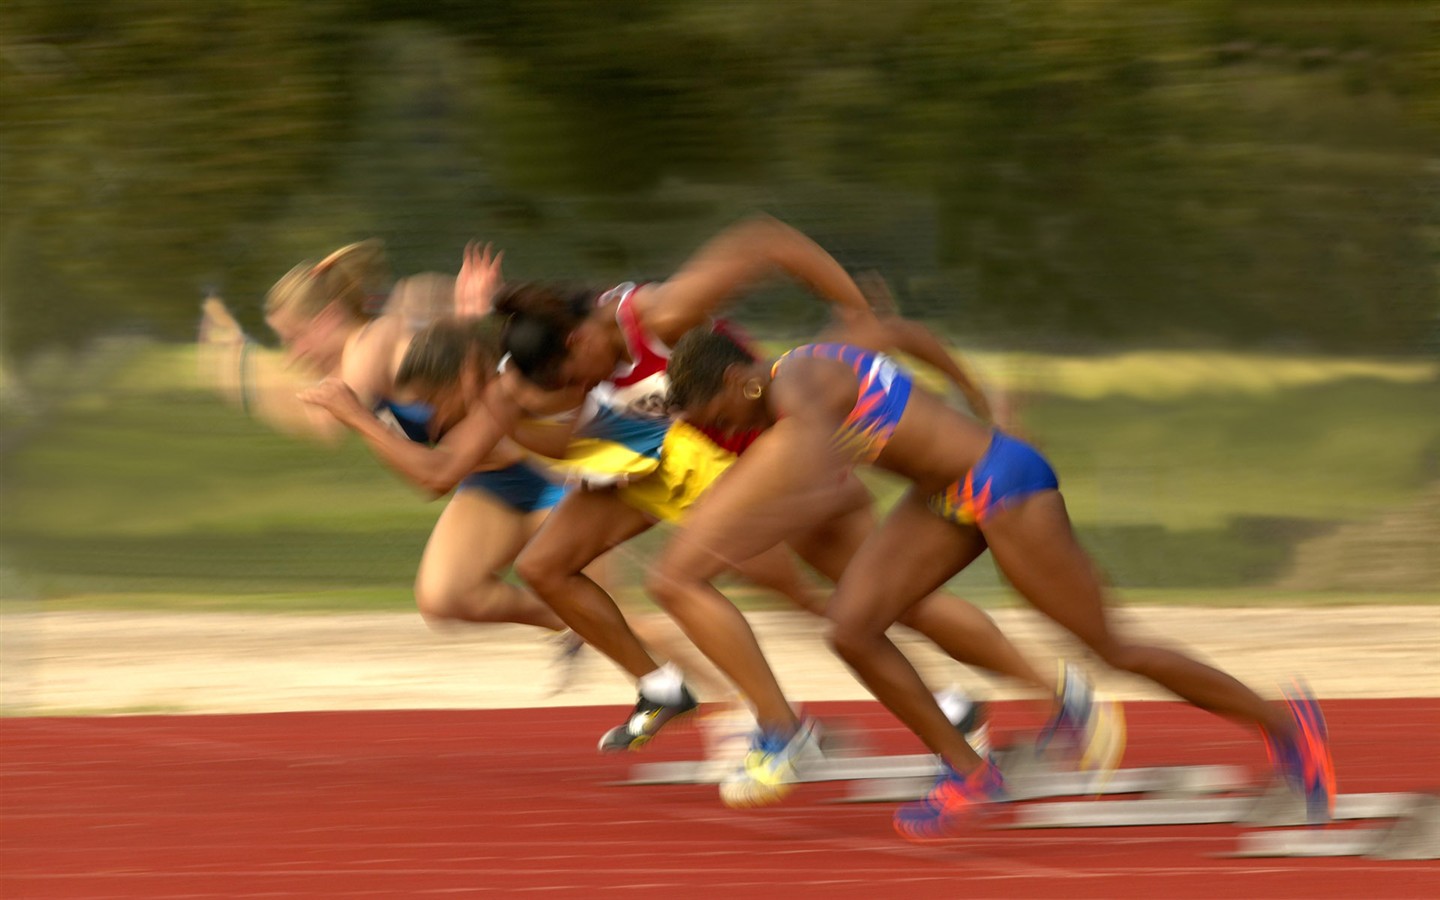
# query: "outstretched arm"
[[738, 258]]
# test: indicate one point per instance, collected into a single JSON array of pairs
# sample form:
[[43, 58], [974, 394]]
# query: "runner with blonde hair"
[[340, 318]]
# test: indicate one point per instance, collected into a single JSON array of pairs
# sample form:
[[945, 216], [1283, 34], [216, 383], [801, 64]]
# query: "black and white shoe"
[[646, 721]]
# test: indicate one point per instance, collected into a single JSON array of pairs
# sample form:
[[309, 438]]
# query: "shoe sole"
[[762, 793], [640, 740], [756, 795], [977, 818]]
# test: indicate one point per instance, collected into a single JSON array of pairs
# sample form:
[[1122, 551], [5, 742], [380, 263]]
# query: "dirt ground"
[[119, 662]]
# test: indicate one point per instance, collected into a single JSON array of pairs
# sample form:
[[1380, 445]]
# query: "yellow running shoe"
[[771, 768]]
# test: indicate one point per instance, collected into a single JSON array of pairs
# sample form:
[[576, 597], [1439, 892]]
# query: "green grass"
[[1191, 477]]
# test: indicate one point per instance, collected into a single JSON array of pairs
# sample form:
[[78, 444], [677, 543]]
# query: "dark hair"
[[439, 351], [698, 363], [539, 318]]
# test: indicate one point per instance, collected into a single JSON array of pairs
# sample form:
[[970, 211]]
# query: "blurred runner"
[[339, 318], [603, 357], [828, 407]]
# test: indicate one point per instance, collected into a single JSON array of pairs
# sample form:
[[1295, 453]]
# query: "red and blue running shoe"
[[955, 801], [1303, 759]]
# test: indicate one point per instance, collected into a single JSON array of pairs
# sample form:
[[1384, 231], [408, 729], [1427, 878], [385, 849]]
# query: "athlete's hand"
[[335, 397], [478, 280]]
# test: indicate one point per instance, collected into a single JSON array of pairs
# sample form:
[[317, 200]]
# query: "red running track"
[[413, 803]]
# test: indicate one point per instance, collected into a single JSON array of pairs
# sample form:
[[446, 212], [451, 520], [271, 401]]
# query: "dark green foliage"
[[1179, 172]]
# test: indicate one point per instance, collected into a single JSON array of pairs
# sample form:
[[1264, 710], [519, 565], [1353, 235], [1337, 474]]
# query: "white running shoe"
[[968, 716]]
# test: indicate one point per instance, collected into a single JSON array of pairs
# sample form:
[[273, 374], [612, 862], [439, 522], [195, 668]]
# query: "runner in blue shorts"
[[340, 318], [828, 407], [606, 352]]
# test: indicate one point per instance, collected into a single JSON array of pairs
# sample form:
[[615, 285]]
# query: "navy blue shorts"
[[518, 486]]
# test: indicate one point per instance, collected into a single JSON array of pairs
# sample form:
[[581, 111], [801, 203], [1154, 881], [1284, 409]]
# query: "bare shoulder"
[[663, 311], [373, 355], [813, 388]]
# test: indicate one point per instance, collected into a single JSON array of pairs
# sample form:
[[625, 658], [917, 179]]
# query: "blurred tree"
[[1069, 170], [144, 143]]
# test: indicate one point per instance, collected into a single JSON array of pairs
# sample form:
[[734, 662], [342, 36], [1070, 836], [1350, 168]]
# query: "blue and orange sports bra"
[[883, 392]]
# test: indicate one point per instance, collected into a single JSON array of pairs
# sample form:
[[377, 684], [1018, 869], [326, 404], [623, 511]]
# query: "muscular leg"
[[899, 565], [1035, 547], [460, 577], [755, 506], [775, 569], [663, 635], [581, 528], [955, 625]]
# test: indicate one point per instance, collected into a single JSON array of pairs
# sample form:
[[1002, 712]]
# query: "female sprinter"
[[561, 340], [827, 407], [324, 316], [612, 350]]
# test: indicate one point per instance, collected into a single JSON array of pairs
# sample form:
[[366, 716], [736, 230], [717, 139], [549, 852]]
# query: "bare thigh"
[[767, 497], [577, 532], [829, 545], [904, 560], [1035, 547], [475, 539]]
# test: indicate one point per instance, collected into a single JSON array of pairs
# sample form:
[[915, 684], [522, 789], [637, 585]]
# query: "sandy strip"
[[91, 662]]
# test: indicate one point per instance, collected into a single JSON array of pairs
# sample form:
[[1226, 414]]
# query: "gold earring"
[[753, 390]]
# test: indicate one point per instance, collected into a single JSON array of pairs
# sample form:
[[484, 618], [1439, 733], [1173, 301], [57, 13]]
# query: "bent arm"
[[913, 338], [367, 368], [437, 469], [272, 388], [735, 260], [891, 333]]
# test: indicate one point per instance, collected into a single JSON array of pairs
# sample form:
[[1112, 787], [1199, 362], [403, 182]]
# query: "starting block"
[[1414, 835], [1019, 761], [831, 768], [1264, 811], [1029, 776], [1177, 781]]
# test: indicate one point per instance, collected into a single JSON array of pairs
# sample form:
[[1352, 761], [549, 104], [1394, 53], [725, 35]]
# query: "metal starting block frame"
[[1029, 775], [1262, 812], [1178, 781], [1414, 835], [1177, 796], [830, 768]]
